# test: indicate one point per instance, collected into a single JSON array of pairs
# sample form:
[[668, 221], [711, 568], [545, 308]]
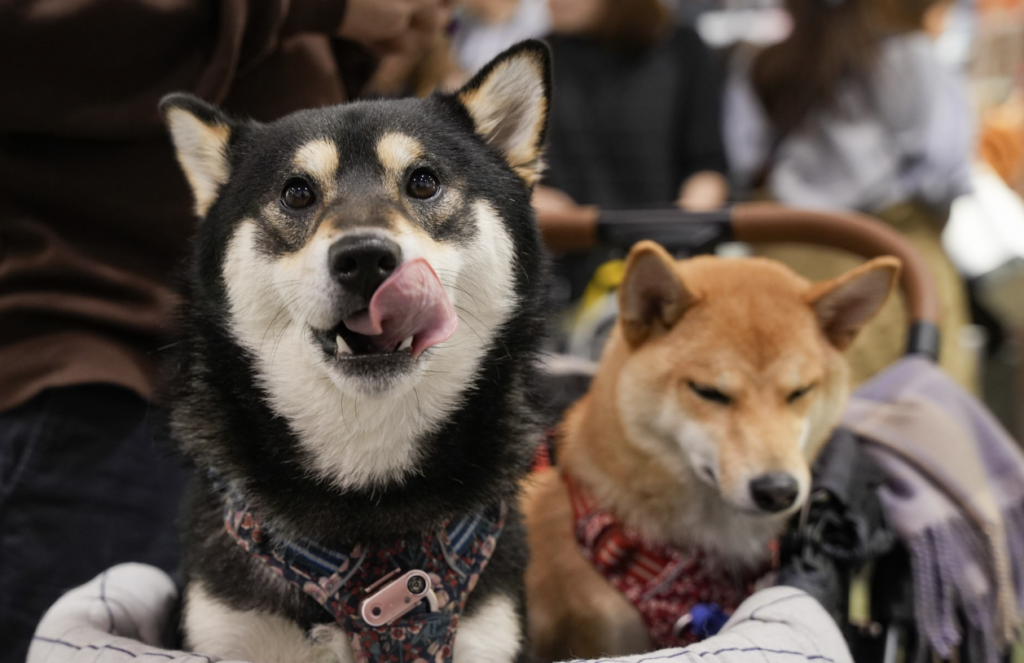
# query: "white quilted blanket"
[[119, 617]]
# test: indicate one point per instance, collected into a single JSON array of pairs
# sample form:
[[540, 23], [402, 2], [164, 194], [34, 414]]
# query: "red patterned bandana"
[[682, 595]]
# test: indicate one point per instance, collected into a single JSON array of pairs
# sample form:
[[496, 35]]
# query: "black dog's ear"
[[508, 101], [200, 133]]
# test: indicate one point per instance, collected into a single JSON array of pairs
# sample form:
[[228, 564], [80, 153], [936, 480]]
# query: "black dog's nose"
[[360, 263], [775, 491]]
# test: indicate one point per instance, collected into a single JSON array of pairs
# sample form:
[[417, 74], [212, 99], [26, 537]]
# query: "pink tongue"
[[411, 302]]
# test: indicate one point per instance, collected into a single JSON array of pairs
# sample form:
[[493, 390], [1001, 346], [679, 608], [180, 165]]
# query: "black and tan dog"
[[362, 321]]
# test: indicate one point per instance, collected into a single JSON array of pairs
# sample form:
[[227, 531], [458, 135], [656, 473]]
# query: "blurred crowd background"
[[909, 110]]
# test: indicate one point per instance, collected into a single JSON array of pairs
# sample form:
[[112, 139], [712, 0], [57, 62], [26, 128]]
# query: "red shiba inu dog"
[[676, 472]]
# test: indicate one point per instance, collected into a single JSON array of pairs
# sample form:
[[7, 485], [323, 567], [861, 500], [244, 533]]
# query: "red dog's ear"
[[652, 296], [848, 302]]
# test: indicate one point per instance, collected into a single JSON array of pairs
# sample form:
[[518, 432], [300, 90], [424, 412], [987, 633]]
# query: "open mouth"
[[408, 314], [342, 344]]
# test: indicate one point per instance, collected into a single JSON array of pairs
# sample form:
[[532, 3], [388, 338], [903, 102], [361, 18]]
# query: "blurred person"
[[415, 73], [421, 70], [94, 220], [485, 28], [1001, 143], [635, 116], [854, 111], [688, 12]]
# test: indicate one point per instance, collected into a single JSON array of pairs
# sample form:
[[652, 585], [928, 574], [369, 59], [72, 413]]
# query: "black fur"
[[222, 419]]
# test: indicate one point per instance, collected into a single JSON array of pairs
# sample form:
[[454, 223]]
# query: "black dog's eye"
[[710, 393], [297, 193], [797, 394], [422, 184]]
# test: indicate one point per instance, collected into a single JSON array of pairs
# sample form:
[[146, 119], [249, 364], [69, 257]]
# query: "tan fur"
[[676, 466], [513, 84], [319, 159], [593, 618], [397, 152], [202, 152]]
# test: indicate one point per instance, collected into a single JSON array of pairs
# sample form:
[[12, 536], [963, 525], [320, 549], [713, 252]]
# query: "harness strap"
[[682, 595], [453, 556]]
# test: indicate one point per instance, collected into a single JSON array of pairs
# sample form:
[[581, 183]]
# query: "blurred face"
[[491, 10], [572, 17]]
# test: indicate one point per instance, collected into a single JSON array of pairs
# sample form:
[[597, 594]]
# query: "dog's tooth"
[[343, 348], [406, 344]]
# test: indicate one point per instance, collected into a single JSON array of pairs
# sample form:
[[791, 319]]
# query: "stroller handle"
[[584, 227]]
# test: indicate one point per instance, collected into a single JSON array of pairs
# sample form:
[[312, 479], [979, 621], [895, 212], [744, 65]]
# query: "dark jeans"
[[87, 480]]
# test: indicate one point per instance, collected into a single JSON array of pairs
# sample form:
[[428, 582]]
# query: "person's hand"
[[549, 200], [565, 224], [703, 191], [396, 25], [373, 21]]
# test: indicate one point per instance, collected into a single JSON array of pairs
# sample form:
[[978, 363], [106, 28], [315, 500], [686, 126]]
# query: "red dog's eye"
[[710, 393], [797, 394]]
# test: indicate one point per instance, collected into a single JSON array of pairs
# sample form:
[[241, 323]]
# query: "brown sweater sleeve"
[[97, 68]]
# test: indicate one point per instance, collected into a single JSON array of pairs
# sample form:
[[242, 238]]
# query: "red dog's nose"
[[775, 491]]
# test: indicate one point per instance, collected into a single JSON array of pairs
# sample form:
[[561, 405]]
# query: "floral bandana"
[[682, 595], [453, 556]]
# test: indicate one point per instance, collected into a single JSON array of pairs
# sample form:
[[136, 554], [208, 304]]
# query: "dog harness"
[[682, 595], [442, 567]]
